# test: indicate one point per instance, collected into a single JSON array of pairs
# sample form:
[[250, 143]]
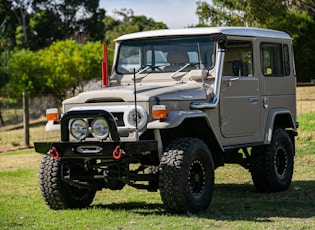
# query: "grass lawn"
[[235, 204]]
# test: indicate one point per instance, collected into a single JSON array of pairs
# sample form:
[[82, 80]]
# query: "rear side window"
[[275, 60]]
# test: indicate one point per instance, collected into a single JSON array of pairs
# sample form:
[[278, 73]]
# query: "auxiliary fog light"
[[79, 129], [99, 128]]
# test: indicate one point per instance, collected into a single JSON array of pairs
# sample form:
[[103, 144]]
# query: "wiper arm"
[[184, 67], [147, 67], [144, 69], [141, 71]]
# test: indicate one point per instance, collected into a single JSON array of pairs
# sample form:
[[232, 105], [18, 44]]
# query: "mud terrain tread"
[[263, 169], [56, 193], [173, 176]]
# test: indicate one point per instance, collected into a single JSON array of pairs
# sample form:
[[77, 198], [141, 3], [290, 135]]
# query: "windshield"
[[166, 55]]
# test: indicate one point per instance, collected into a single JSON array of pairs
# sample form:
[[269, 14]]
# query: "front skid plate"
[[96, 149]]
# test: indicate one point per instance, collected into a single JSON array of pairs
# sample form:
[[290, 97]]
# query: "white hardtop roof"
[[236, 31]]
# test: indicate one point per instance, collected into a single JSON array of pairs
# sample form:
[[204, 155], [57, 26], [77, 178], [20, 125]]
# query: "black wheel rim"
[[281, 161], [196, 179]]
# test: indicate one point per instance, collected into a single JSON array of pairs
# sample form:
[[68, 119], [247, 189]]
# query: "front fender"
[[175, 118]]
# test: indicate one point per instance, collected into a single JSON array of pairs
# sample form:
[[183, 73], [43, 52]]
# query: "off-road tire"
[[186, 176], [57, 193], [272, 165]]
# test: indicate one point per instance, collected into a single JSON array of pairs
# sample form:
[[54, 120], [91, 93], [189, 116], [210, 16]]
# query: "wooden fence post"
[[26, 120]]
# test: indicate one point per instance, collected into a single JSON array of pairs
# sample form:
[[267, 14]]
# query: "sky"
[[174, 13]]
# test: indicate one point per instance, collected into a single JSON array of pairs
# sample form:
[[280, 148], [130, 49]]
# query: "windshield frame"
[[152, 54]]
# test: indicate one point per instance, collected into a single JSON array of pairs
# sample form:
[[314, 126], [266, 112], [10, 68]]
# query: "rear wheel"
[[272, 165], [56, 192], [186, 176]]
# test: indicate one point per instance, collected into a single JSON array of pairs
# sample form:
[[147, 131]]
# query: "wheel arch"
[[279, 118], [196, 127]]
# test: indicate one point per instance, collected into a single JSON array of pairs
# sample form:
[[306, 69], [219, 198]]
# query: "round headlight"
[[79, 129], [141, 118], [99, 128]]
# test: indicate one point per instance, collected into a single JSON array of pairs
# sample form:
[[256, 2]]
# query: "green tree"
[[63, 66], [242, 12], [70, 66], [8, 25], [4, 79], [26, 73], [40, 35], [127, 22], [294, 17], [21, 9], [80, 18]]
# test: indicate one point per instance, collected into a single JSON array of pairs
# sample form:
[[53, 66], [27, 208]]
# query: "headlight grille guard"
[[88, 114]]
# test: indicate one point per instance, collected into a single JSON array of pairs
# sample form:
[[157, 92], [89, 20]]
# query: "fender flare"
[[176, 118], [271, 120]]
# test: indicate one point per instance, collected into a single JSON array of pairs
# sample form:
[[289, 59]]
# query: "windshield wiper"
[[182, 68], [146, 67]]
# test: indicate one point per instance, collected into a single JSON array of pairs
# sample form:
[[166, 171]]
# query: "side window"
[[275, 59], [286, 60], [238, 59]]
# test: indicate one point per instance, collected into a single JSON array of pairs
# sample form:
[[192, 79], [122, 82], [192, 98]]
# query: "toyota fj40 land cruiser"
[[179, 104]]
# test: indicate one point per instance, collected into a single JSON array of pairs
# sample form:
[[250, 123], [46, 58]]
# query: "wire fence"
[[12, 133]]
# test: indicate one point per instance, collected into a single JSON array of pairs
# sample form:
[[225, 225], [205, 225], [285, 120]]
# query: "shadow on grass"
[[243, 202], [142, 208], [233, 202]]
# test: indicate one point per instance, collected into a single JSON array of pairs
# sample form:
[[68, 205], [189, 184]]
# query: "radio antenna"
[[136, 111]]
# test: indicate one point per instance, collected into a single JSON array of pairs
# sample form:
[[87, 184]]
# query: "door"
[[239, 107]]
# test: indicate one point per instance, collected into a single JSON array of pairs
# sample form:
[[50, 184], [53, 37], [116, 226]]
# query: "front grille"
[[119, 118]]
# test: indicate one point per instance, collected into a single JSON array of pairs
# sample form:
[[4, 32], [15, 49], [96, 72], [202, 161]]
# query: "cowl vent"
[[100, 100]]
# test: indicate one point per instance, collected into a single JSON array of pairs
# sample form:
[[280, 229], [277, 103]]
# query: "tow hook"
[[118, 153], [54, 153]]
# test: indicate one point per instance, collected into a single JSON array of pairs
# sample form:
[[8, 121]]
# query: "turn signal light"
[[52, 114], [160, 111]]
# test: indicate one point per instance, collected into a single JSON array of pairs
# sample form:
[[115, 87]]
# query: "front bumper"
[[96, 149]]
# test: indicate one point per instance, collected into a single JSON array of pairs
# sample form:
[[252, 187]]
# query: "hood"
[[145, 92]]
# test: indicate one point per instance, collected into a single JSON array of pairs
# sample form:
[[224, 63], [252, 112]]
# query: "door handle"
[[232, 79], [254, 100]]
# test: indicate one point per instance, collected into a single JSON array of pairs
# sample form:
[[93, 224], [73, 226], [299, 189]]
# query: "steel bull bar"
[[93, 149]]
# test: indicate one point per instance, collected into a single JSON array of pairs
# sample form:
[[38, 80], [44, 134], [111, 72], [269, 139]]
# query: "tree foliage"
[[127, 22], [78, 16], [8, 26], [70, 66], [294, 17], [26, 71], [53, 71]]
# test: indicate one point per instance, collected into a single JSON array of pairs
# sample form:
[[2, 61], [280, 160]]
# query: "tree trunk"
[[1, 119], [26, 120]]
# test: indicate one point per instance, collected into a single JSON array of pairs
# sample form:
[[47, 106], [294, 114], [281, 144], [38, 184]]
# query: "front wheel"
[[56, 192], [272, 165], [186, 176]]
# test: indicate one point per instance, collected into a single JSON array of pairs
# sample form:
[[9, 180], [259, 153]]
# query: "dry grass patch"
[[305, 99], [11, 162]]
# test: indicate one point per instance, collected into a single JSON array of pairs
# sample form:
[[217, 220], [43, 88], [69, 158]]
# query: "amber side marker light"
[[52, 114], [160, 111]]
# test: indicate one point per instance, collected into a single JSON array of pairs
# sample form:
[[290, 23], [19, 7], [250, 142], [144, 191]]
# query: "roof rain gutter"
[[222, 42]]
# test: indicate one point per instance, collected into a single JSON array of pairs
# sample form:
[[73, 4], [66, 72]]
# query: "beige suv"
[[178, 104]]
